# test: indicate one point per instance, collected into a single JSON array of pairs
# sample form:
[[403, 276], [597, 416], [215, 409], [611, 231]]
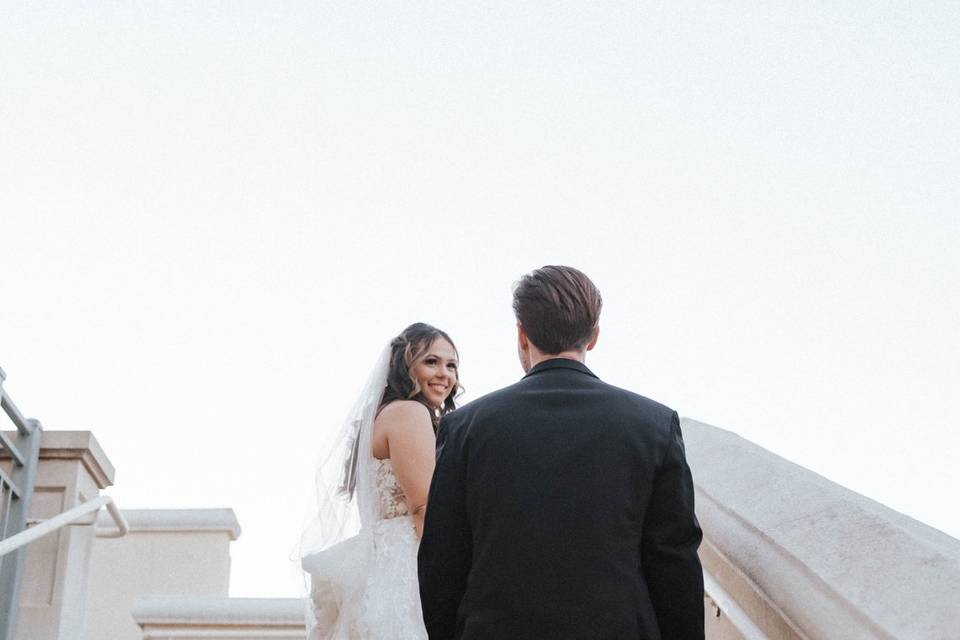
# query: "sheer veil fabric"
[[337, 548]]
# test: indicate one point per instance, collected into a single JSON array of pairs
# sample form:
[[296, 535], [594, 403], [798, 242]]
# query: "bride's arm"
[[411, 444]]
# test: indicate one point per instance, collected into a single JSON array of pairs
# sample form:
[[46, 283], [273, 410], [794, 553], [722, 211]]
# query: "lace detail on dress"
[[390, 608], [393, 502], [366, 587]]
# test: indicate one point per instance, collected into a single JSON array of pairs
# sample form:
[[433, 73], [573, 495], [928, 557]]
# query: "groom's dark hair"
[[558, 308]]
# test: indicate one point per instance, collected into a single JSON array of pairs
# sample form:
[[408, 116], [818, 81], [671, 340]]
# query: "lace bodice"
[[393, 502]]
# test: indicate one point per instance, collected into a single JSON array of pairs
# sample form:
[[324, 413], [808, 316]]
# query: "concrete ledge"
[[177, 520], [234, 618], [815, 559], [76, 445], [192, 610]]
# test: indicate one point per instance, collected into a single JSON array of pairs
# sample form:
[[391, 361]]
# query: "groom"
[[561, 506]]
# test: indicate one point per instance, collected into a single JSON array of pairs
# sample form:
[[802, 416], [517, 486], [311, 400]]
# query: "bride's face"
[[437, 372]]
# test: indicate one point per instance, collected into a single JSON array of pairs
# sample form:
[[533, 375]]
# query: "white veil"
[[336, 547]]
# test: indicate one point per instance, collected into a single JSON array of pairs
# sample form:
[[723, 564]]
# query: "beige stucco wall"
[[168, 552]]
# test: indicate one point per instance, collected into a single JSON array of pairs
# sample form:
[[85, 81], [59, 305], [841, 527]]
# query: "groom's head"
[[558, 314]]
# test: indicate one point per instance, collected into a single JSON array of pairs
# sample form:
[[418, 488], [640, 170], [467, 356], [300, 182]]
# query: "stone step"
[[197, 618]]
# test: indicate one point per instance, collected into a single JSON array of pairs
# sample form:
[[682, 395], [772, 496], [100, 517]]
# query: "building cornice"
[[178, 521]]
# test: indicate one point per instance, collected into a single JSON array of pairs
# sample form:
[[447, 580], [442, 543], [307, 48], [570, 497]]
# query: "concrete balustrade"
[[807, 558]]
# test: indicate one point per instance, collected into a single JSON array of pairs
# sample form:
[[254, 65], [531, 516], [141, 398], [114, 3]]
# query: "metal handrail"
[[7, 480], [17, 487], [729, 607], [14, 450], [22, 424], [68, 517]]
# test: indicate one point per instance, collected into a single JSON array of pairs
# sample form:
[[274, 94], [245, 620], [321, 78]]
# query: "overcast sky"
[[214, 214]]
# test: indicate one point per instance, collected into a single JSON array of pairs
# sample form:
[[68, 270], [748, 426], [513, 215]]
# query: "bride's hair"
[[407, 350]]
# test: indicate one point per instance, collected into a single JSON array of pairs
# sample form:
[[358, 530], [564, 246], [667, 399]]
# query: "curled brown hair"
[[558, 308], [406, 351]]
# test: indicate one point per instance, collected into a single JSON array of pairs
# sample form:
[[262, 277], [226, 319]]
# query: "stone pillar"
[[73, 469]]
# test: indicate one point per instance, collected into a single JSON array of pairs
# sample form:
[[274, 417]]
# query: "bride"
[[364, 586]]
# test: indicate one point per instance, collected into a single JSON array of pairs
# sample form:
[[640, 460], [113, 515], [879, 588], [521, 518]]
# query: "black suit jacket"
[[561, 507]]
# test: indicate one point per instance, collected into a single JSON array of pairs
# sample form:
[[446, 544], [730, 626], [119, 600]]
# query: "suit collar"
[[560, 363]]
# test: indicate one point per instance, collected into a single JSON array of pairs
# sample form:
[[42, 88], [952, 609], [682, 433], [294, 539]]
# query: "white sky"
[[213, 215]]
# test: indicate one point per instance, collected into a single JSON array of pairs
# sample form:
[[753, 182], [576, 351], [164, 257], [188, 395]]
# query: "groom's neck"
[[536, 357]]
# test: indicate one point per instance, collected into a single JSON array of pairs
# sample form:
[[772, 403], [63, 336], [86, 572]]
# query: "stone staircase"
[[202, 618], [788, 555]]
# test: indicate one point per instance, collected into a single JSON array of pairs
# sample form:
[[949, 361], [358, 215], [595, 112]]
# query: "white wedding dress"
[[366, 587], [363, 586]]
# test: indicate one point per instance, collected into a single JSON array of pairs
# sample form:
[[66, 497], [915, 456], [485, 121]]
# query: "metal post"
[[23, 477]]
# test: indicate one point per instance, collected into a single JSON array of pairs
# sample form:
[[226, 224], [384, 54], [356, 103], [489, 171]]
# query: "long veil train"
[[337, 547]]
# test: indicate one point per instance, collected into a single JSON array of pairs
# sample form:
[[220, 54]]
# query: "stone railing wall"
[[809, 559]]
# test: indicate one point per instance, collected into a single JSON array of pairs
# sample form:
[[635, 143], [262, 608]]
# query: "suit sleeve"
[[446, 547], [671, 535]]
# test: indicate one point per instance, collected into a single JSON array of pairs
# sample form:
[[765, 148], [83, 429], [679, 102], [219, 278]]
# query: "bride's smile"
[[436, 373]]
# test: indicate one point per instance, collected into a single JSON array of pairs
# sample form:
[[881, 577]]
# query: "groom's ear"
[[522, 338], [593, 340]]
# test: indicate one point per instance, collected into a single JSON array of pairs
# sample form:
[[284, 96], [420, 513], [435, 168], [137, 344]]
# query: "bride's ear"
[[593, 340]]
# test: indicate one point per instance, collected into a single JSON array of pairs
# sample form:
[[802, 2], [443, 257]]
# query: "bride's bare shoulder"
[[397, 422], [401, 412]]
